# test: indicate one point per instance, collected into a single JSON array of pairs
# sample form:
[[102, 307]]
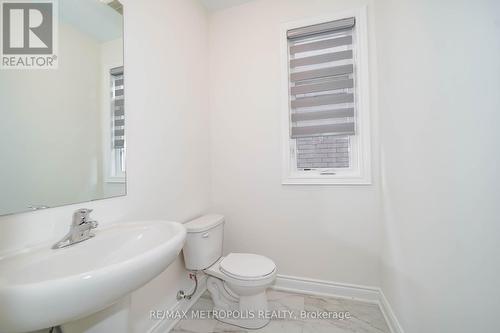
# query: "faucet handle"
[[80, 216], [85, 211]]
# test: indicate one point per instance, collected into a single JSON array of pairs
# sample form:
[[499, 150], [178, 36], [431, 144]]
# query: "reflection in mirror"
[[62, 130]]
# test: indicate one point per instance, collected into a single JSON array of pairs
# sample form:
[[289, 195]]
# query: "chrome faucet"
[[79, 230]]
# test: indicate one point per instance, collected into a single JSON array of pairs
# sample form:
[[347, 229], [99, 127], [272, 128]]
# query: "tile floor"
[[364, 317]]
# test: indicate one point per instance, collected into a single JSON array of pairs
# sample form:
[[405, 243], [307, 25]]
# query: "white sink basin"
[[42, 287]]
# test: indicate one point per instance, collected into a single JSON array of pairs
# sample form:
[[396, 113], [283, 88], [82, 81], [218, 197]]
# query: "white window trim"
[[108, 158], [362, 157]]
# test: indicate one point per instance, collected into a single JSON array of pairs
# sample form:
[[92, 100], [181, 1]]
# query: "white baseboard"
[[343, 290], [390, 316], [167, 324], [326, 288]]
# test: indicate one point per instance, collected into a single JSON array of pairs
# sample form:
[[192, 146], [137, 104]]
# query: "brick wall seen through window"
[[323, 152]]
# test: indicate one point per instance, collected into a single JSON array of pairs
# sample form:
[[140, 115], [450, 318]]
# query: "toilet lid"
[[247, 265]]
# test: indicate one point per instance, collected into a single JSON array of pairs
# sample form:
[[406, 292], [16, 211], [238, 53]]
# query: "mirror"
[[62, 129]]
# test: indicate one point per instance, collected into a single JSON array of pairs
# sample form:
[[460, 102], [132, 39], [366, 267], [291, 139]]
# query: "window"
[[117, 158], [326, 121]]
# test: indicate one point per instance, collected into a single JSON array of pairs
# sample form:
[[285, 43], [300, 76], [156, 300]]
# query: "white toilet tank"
[[204, 238]]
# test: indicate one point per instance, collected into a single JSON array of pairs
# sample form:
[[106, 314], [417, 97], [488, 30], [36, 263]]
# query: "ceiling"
[[221, 4], [92, 17]]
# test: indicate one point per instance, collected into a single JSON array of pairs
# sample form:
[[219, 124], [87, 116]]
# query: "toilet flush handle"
[[205, 235]]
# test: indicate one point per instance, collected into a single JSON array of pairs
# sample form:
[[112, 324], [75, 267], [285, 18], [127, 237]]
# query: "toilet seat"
[[247, 266]]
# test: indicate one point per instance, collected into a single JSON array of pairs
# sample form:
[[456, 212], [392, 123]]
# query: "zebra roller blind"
[[118, 108], [321, 67]]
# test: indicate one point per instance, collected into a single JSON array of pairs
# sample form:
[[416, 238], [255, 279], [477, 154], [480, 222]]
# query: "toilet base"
[[244, 311], [251, 324]]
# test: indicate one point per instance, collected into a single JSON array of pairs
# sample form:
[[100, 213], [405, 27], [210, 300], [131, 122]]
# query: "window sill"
[[326, 180], [116, 180]]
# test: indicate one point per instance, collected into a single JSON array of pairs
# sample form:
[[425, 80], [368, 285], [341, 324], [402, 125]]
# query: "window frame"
[[359, 173], [111, 173]]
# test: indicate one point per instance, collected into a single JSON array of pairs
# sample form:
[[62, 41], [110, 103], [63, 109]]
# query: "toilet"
[[237, 282]]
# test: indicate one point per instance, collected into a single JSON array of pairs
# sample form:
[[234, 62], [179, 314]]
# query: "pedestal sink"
[[41, 287]]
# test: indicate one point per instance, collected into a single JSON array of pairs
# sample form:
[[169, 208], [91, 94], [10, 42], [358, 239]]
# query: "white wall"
[[439, 83], [167, 126], [435, 224], [323, 232]]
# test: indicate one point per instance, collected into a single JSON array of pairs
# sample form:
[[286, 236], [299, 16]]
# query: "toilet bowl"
[[237, 282]]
